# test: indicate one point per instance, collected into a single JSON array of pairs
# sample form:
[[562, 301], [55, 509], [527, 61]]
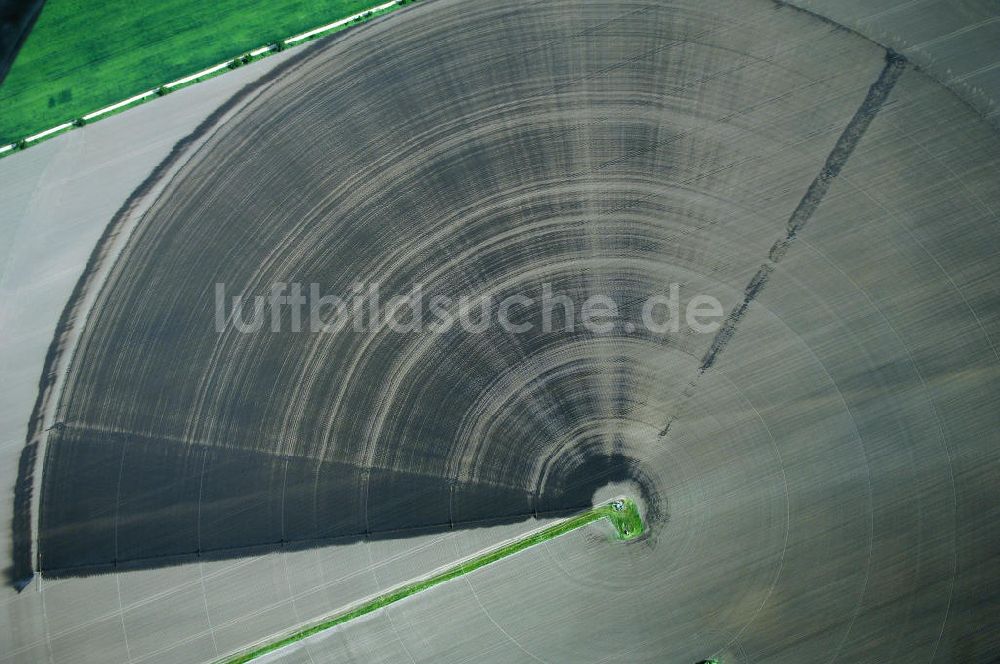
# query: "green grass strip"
[[622, 513], [83, 56]]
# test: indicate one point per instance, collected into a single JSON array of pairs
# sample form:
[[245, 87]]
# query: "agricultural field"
[[238, 427], [82, 55], [622, 513]]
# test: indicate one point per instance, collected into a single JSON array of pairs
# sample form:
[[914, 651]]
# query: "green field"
[[84, 55], [626, 520]]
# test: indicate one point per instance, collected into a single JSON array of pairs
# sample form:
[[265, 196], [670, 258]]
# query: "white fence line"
[[197, 75], [48, 131], [114, 107], [337, 24], [204, 72]]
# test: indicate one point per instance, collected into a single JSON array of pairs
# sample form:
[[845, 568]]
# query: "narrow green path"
[[621, 512]]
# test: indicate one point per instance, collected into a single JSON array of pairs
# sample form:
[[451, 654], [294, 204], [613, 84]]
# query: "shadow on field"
[[112, 503], [17, 17]]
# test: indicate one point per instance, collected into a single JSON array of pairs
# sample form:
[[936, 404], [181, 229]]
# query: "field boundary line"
[[244, 57], [621, 511]]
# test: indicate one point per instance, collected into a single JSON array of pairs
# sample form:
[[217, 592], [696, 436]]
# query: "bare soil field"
[[818, 475]]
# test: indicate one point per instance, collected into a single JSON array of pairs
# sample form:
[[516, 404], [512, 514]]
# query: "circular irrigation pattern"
[[812, 466]]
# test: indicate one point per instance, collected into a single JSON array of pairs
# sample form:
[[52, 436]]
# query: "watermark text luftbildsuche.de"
[[298, 307]]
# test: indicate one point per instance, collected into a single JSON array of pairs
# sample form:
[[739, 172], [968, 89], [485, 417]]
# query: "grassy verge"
[[623, 515], [84, 55]]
